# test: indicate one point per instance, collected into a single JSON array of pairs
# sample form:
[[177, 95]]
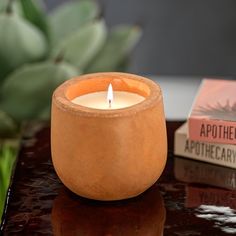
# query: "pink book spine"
[[214, 131]]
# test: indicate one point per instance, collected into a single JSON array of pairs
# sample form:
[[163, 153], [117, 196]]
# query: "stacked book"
[[209, 134]]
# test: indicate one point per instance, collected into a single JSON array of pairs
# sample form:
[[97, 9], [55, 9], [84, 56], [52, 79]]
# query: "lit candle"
[[104, 100], [108, 153]]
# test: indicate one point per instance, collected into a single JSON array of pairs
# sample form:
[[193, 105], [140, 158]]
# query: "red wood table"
[[40, 205]]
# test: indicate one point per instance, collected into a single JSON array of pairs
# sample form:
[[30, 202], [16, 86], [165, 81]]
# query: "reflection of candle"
[[144, 215], [104, 99]]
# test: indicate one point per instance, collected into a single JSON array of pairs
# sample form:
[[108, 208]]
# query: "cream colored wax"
[[98, 100]]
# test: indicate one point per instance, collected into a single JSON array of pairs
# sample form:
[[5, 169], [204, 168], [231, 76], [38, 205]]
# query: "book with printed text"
[[215, 153], [213, 114]]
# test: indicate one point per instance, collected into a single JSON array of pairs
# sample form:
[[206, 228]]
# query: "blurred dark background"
[[180, 37]]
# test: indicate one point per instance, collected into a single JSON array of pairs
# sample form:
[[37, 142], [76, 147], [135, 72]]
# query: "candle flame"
[[110, 95]]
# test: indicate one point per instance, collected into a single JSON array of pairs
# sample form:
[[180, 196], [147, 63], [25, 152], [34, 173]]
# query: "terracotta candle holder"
[[108, 154]]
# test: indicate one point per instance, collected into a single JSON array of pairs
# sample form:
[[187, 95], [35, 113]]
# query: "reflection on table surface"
[[143, 215], [211, 192], [199, 199], [191, 171]]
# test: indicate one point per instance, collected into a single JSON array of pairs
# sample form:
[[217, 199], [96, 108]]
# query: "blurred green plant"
[[39, 51], [8, 153]]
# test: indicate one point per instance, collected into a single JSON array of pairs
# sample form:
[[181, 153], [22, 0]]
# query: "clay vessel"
[[108, 154]]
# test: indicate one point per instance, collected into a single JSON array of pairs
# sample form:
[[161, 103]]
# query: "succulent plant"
[[34, 84], [16, 6], [38, 52], [8, 152], [20, 42]]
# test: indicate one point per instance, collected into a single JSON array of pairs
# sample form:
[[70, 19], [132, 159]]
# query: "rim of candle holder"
[[62, 101]]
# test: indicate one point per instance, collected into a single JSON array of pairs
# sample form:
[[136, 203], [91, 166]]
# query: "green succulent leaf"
[[81, 47], [16, 7], [20, 42], [121, 40], [8, 126], [26, 93], [7, 158], [8, 154], [70, 16], [33, 12]]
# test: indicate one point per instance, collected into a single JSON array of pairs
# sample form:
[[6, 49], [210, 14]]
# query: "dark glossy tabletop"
[[184, 201]]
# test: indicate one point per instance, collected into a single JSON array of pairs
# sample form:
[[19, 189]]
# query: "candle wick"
[[109, 101]]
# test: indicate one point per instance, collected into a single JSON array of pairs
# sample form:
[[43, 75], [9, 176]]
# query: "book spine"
[[215, 131], [220, 154]]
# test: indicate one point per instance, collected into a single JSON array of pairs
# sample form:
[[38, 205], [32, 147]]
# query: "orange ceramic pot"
[[108, 154]]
